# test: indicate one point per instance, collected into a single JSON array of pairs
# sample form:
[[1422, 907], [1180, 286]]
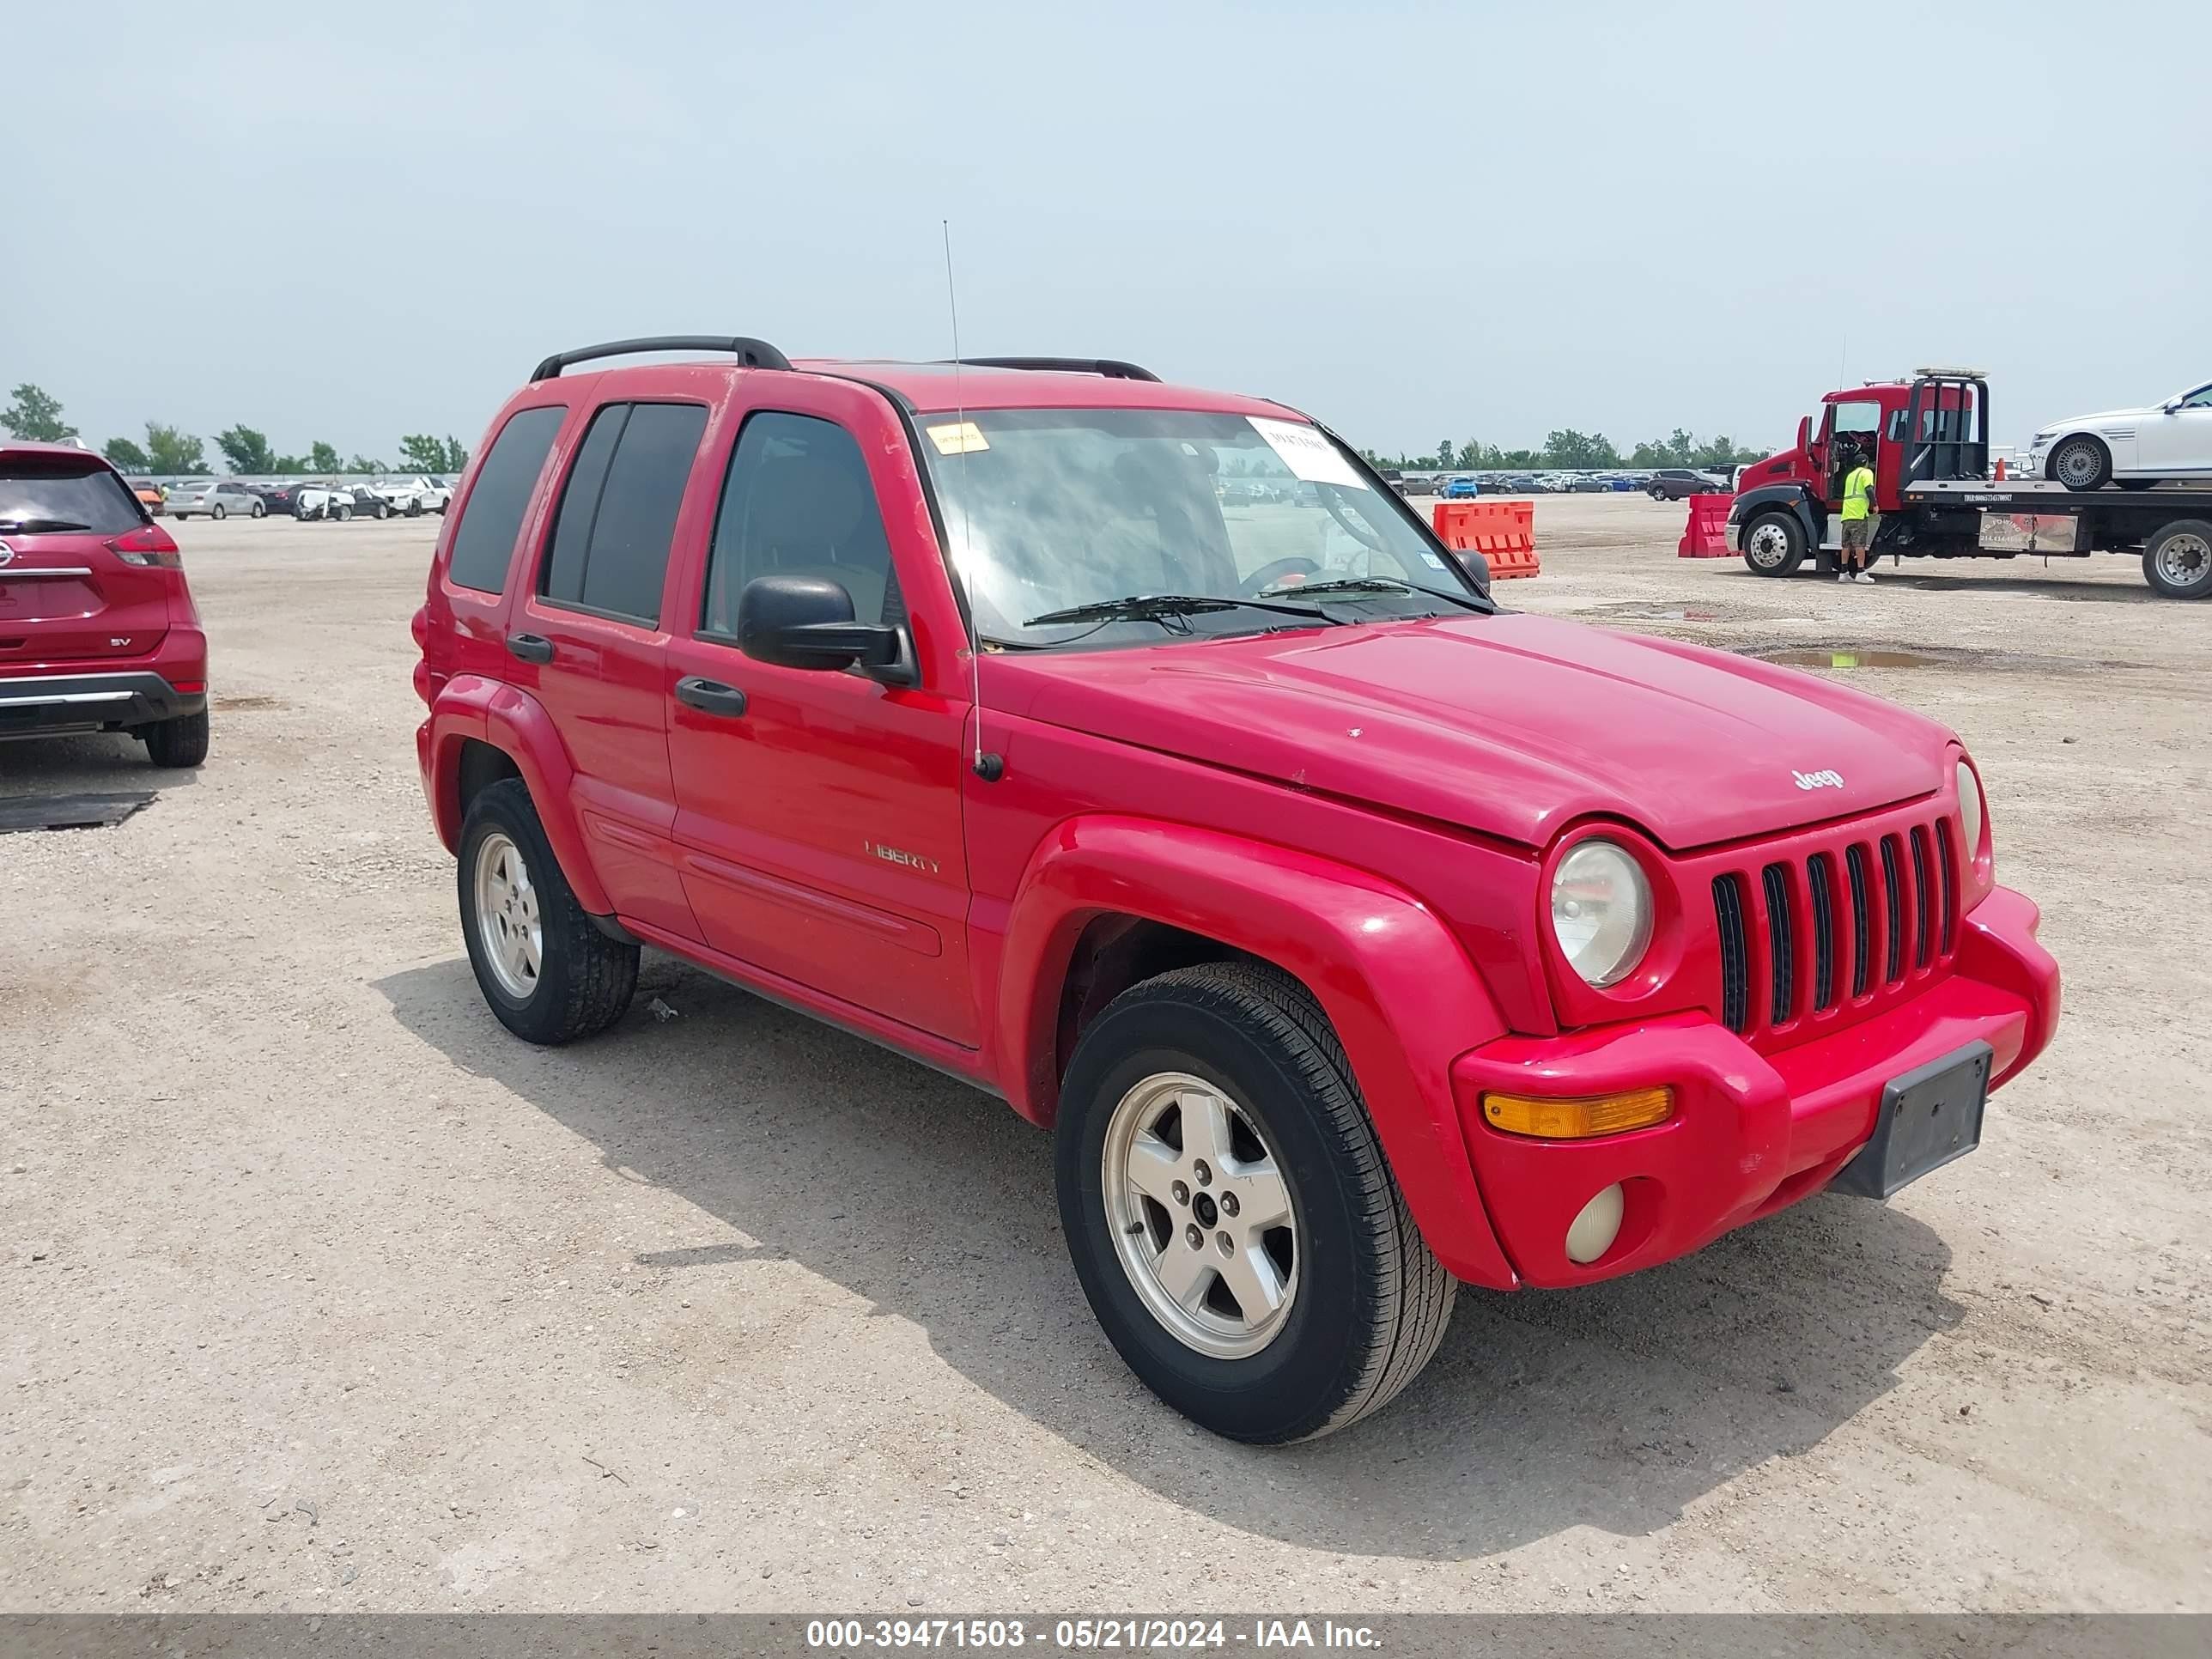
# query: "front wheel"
[[2079, 463], [2177, 560], [541, 962], [1231, 1213], [2137, 483], [1773, 544]]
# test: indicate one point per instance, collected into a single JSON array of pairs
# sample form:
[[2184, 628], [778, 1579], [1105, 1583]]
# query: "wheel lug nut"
[[1204, 1174], [1181, 1192], [1229, 1205], [1192, 1236]]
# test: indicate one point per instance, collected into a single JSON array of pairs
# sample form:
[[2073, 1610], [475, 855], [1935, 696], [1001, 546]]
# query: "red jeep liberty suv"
[[1133, 752], [98, 632]]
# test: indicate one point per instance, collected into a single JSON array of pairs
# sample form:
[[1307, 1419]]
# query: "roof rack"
[[1112, 368], [750, 353]]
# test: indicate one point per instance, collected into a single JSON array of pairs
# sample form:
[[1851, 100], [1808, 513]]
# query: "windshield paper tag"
[[957, 438], [1308, 454]]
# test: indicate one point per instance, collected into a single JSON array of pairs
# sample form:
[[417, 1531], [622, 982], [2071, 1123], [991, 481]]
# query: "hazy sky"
[[1415, 221]]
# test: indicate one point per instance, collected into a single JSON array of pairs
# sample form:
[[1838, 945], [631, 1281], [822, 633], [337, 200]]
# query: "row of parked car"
[[409, 497], [1664, 484]]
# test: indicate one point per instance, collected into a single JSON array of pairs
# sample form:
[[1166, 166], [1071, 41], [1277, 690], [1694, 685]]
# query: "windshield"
[[1048, 510]]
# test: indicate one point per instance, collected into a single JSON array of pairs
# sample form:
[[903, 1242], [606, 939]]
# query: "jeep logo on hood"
[[1819, 779]]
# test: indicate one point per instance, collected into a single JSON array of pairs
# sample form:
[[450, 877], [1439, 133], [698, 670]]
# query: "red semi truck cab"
[[1353, 937]]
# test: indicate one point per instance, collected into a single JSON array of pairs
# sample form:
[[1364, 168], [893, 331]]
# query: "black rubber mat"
[[70, 811]]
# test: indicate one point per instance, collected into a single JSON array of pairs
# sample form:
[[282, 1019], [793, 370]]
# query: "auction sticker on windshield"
[[1308, 454]]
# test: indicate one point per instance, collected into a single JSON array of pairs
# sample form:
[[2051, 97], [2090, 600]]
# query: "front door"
[[2177, 442], [591, 622], [819, 812]]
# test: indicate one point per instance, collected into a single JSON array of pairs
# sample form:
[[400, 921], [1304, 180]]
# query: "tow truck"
[[1928, 440]]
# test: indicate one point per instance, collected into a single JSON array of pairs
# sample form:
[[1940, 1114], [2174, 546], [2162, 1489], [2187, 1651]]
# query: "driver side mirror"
[[806, 622]]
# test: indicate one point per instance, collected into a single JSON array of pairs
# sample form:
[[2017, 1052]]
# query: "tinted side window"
[[483, 541], [798, 502], [618, 513], [561, 577]]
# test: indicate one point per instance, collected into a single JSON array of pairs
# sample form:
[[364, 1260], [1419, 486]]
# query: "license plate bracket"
[[1930, 1116]]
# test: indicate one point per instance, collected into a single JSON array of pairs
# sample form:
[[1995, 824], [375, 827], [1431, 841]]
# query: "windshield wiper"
[[40, 527], [1380, 585], [1160, 607]]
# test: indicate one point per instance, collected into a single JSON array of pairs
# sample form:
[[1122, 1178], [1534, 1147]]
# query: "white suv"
[[2134, 448]]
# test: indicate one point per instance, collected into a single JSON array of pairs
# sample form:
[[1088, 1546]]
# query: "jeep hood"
[[1511, 725]]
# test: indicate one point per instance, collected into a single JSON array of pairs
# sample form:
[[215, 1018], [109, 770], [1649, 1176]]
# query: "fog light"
[[1578, 1120], [1590, 1235]]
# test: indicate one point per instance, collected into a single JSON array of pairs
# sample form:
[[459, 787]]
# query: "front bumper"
[[45, 705], [1733, 536], [1752, 1132]]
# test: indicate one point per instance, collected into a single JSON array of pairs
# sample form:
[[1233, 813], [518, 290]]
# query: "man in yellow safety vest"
[[1859, 522]]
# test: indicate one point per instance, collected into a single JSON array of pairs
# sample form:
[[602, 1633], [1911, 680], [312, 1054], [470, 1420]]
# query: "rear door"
[[589, 624], [65, 594]]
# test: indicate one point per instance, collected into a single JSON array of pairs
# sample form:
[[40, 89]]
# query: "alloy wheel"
[[1201, 1215], [508, 924]]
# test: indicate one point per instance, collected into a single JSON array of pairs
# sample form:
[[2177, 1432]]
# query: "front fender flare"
[[1794, 497], [469, 705], [1402, 995]]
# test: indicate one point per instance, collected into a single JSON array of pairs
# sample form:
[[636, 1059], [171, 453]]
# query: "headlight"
[[1970, 811], [1601, 911]]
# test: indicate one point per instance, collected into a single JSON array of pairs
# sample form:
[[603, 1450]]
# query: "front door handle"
[[530, 647], [710, 697]]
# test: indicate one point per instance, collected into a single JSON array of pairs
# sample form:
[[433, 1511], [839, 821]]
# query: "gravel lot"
[[322, 1293]]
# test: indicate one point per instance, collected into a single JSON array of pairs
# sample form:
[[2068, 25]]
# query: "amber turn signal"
[[1578, 1120]]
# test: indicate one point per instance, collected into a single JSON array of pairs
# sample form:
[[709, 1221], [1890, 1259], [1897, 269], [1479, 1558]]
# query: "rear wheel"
[[2137, 483], [341, 513], [2177, 560], [217, 511], [1773, 544], [259, 511], [541, 962], [181, 744], [1231, 1213], [2079, 463]]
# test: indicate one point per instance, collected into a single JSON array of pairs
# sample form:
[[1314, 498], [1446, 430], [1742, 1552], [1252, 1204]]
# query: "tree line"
[[35, 417], [1566, 449]]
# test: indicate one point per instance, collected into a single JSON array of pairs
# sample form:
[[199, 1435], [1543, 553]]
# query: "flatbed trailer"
[[1927, 439]]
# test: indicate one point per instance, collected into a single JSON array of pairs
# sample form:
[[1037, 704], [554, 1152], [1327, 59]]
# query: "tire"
[[342, 513], [1773, 544], [218, 511], [380, 512], [1362, 1304], [2137, 483], [549, 973], [181, 744], [2079, 463], [260, 511], [414, 509], [2178, 559]]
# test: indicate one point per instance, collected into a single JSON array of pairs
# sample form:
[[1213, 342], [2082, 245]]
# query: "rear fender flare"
[[1402, 993], [470, 705]]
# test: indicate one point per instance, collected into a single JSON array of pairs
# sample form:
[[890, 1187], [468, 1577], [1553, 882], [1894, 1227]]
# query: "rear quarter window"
[[491, 518], [60, 496]]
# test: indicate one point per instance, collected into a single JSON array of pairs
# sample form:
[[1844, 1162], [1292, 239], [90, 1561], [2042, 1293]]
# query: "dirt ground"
[[319, 1292]]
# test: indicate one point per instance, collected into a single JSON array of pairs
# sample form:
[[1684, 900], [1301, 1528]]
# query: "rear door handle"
[[710, 697], [530, 647]]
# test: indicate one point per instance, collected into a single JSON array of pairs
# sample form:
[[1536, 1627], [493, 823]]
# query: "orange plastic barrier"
[[1503, 532], [1706, 536]]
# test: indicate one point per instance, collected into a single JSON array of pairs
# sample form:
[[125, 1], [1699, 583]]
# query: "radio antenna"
[[989, 768]]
